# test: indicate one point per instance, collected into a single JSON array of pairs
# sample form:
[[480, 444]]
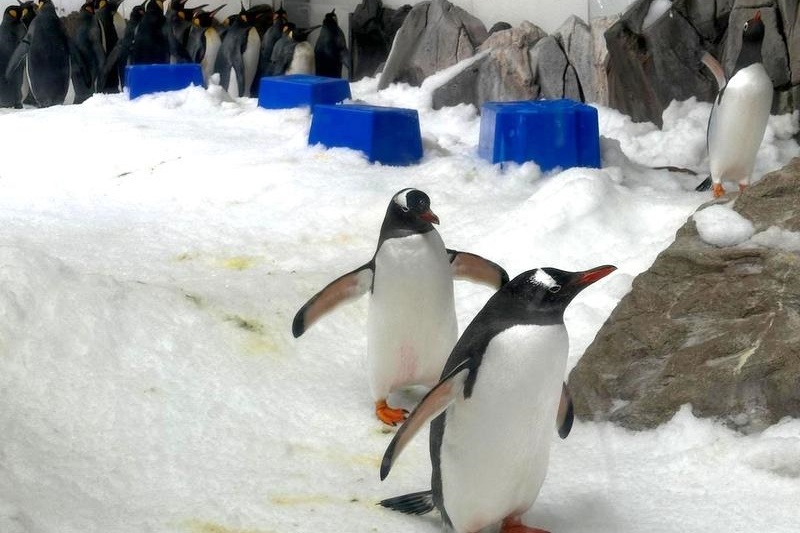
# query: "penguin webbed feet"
[[515, 525], [389, 415], [717, 190]]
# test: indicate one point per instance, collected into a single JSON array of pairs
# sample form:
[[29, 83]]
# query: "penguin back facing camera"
[[12, 31]]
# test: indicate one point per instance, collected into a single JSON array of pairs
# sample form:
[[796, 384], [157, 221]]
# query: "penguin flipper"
[[476, 268], [716, 69], [432, 405], [704, 185], [342, 289], [566, 413], [416, 503], [17, 58]]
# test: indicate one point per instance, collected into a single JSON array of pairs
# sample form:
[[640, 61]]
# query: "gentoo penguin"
[[12, 30], [44, 53], [411, 325], [495, 406], [204, 41], [150, 43], [330, 51], [237, 61], [740, 113]]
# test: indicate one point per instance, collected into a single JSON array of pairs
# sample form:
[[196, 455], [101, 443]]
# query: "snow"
[[152, 257], [721, 226]]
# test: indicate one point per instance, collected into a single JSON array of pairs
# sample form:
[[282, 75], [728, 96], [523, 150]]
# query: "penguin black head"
[[88, 7], [12, 13], [331, 19], [550, 290], [137, 14], [301, 34], [753, 32], [205, 19], [409, 212]]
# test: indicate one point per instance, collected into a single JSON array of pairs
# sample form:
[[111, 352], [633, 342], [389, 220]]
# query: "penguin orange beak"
[[757, 16], [429, 216], [590, 276]]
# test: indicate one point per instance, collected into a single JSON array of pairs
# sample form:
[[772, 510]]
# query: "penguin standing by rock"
[[740, 113], [12, 31], [237, 61], [204, 41], [330, 51], [495, 406], [412, 322]]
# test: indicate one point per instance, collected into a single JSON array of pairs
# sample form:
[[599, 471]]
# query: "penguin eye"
[[554, 289], [746, 26]]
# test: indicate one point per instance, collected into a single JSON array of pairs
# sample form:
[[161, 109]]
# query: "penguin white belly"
[[496, 444], [412, 325], [302, 60], [233, 85], [738, 123], [213, 44], [250, 60]]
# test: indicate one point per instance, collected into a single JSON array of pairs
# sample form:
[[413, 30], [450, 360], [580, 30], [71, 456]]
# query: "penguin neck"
[[398, 224], [750, 54]]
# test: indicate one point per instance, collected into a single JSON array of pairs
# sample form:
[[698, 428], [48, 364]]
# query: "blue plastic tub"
[[146, 79], [551, 133], [387, 135], [298, 90]]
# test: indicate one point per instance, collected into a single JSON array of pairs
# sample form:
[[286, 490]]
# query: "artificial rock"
[[714, 327]]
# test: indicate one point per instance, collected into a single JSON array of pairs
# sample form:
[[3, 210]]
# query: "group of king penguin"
[[43, 64], [496, 393]]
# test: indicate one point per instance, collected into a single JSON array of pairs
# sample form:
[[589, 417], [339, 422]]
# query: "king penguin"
[[44, 54], [495, 406], [150, 41], [740, 113], [12, 30], [237, 61], [204, 41], [330, 51], [411, 324]]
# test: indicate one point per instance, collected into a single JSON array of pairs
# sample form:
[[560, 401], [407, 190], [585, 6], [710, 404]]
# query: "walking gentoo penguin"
[[412, 322], [204, 41], [330, 52], [495, 406], [740, 113], [44, 53], [12, 30], [237, 61]]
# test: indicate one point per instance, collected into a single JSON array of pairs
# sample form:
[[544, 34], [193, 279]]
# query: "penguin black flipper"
[[416, 503], [704, 185], [432, 405], [566, 413], [78, 64], [475, 268], [342, 289], [18, 57]]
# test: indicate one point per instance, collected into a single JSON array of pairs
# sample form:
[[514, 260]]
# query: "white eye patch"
[[540, 277], [401, 199]]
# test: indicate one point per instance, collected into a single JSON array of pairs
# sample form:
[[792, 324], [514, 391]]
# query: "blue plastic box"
[[146, 79], [297, 90], [388, 135], [551, 133]]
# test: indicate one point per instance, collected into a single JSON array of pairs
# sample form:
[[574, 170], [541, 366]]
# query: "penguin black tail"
[[417, 503], [705, 185]]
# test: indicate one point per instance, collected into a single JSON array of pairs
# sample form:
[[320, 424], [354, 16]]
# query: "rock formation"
[[373, 28], [714, 327]]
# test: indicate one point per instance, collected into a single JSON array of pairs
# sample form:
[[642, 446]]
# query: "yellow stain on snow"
[[199, 526], [313, 499], [242, 262]]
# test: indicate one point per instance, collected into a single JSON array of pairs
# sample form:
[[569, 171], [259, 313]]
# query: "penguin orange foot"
[[389, 415], [718, 190], [515, 525]]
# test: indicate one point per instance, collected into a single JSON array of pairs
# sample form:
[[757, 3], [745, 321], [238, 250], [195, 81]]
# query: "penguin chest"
[[250, 59], [302, 60], [412, 324], [496, 443], [737, 124], [212, 44]]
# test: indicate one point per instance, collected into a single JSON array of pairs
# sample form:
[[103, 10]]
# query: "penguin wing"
[[566, 413], [342, 289], [476, 268], [18, 57], [432, 405]]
